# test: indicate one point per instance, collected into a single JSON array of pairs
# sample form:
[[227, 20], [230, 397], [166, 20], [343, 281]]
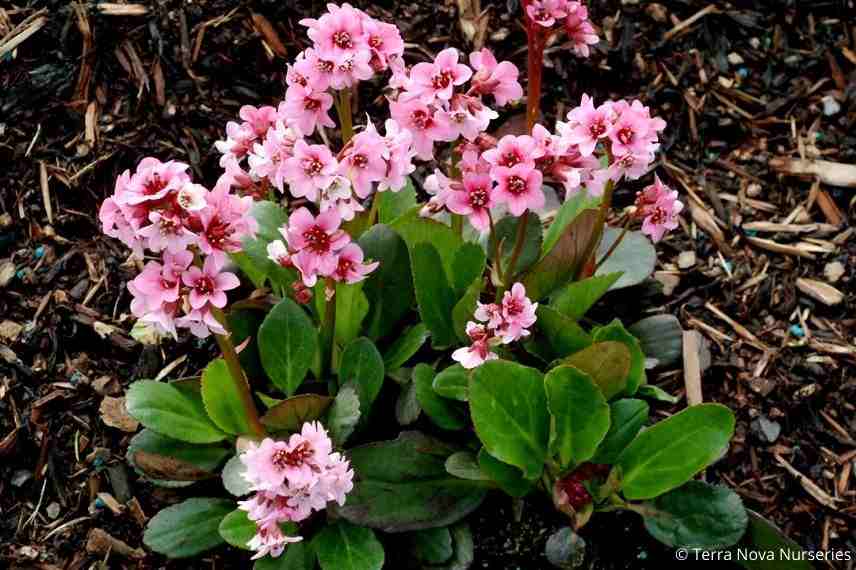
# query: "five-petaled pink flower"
[[350, 267], [519, 187], [209, 284], [659, 207], [311, 168], [497, 79], [518, 314], [426, 123], [474, 199], [437, 80], [307, 109], [315, 241], [479, 351]]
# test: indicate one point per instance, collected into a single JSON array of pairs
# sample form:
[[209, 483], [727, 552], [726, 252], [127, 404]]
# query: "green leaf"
[[764, 536], [671, 452], [344, 414], [342, 545], [352, 307], [580, 414], [290, 414], [287, 344], [463, 556], [169, 462], [656, 393], [442, 412], [696, 515], [362, 364], [171, 412], [505, 232], [628, 416], [405, 346], [188, 528], [434, 296], [615, 331], [569, 211], [223, 400], [453, 382], [464, 309], [403, 485], [237, 529], [467, 266], [393, 205], [576, 298], [608, 364], [563, 335], [509, 411], [661, 338], [415, 229], [388, 288], [407, 407], [432, 545], [298, 556], [464, 465], [233, 477], [509, 478], [253, 259], [635, 257]]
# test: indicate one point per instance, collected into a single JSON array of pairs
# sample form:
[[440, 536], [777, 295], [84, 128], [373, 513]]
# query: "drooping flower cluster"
[[291, 480], [496, 324], [573, 18], [158, 208], [658, 206], [511, 171], [433, 105]]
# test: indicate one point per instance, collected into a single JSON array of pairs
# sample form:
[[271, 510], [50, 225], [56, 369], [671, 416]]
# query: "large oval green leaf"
[[405, 346], [362, 364], [608, 364], [446, 414], [403, 485], [237, 529], [576, 298], [223, 400], [507, 477], [415, 229], [509, 411], [388, 288], [696, 515], [171, 412], [561, 335], [635, 257], [169, 462], [627, 418], [188, 528], [434, 295], [287, 345], [291, 413], [615, 331], [453, 382], [671, 452], [342, 545], [580, 414]]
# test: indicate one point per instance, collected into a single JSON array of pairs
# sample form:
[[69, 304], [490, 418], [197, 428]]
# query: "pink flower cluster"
[[158, 208], [658, 206], [317, 247], [433, 106], [291, 479], [512, 170], [496, 324], [571, 15]]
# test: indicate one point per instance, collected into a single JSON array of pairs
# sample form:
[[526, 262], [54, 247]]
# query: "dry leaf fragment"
[[820, 291], [114, 414]]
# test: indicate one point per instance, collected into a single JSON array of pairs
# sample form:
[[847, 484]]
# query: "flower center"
[[155, 185], [345, 266], [442, 79], [625, 135], [342, 40], [346, 66], [312, 167], [420, 119], [168, 226], [359, 160], [375, 42], [597, 129], [325, 66], [478, 197], [513, 307], [204, 285], [217, 233], [510, 159], [516, 185], [295, 458], [311, 104], [319, 240]]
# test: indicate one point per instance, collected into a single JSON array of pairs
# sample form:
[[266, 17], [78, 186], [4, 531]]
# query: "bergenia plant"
[[348, 267]]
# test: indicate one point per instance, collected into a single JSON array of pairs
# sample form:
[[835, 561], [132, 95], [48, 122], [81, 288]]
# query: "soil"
[[741, 84]]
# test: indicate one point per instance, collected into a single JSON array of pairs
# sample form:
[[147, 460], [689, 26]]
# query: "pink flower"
[[469, 116], [167, 232], [587, 125], [152, 182], [267, 159], [437, 80], [269, 540], [364, 161], [224, 222], [439, 187], [634, 131], [338, 33], [123, 222], [580, 31], [399, 156], [489, 313], [338, 196], [631, 165], [478, 352], [546, 12], [385, 42], [659, 206], [310, 169], [511, 151], [351, 70], [202, 323], [497, 79], [426, 125], [518, 314], [312, 71], [307, 109], [475, 200], [316, 242], [209, 284], [520, 188], [350, 267], [239, 141], [260, 119]]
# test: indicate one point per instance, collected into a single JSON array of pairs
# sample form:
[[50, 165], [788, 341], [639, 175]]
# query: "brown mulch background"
[[88, 91]]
